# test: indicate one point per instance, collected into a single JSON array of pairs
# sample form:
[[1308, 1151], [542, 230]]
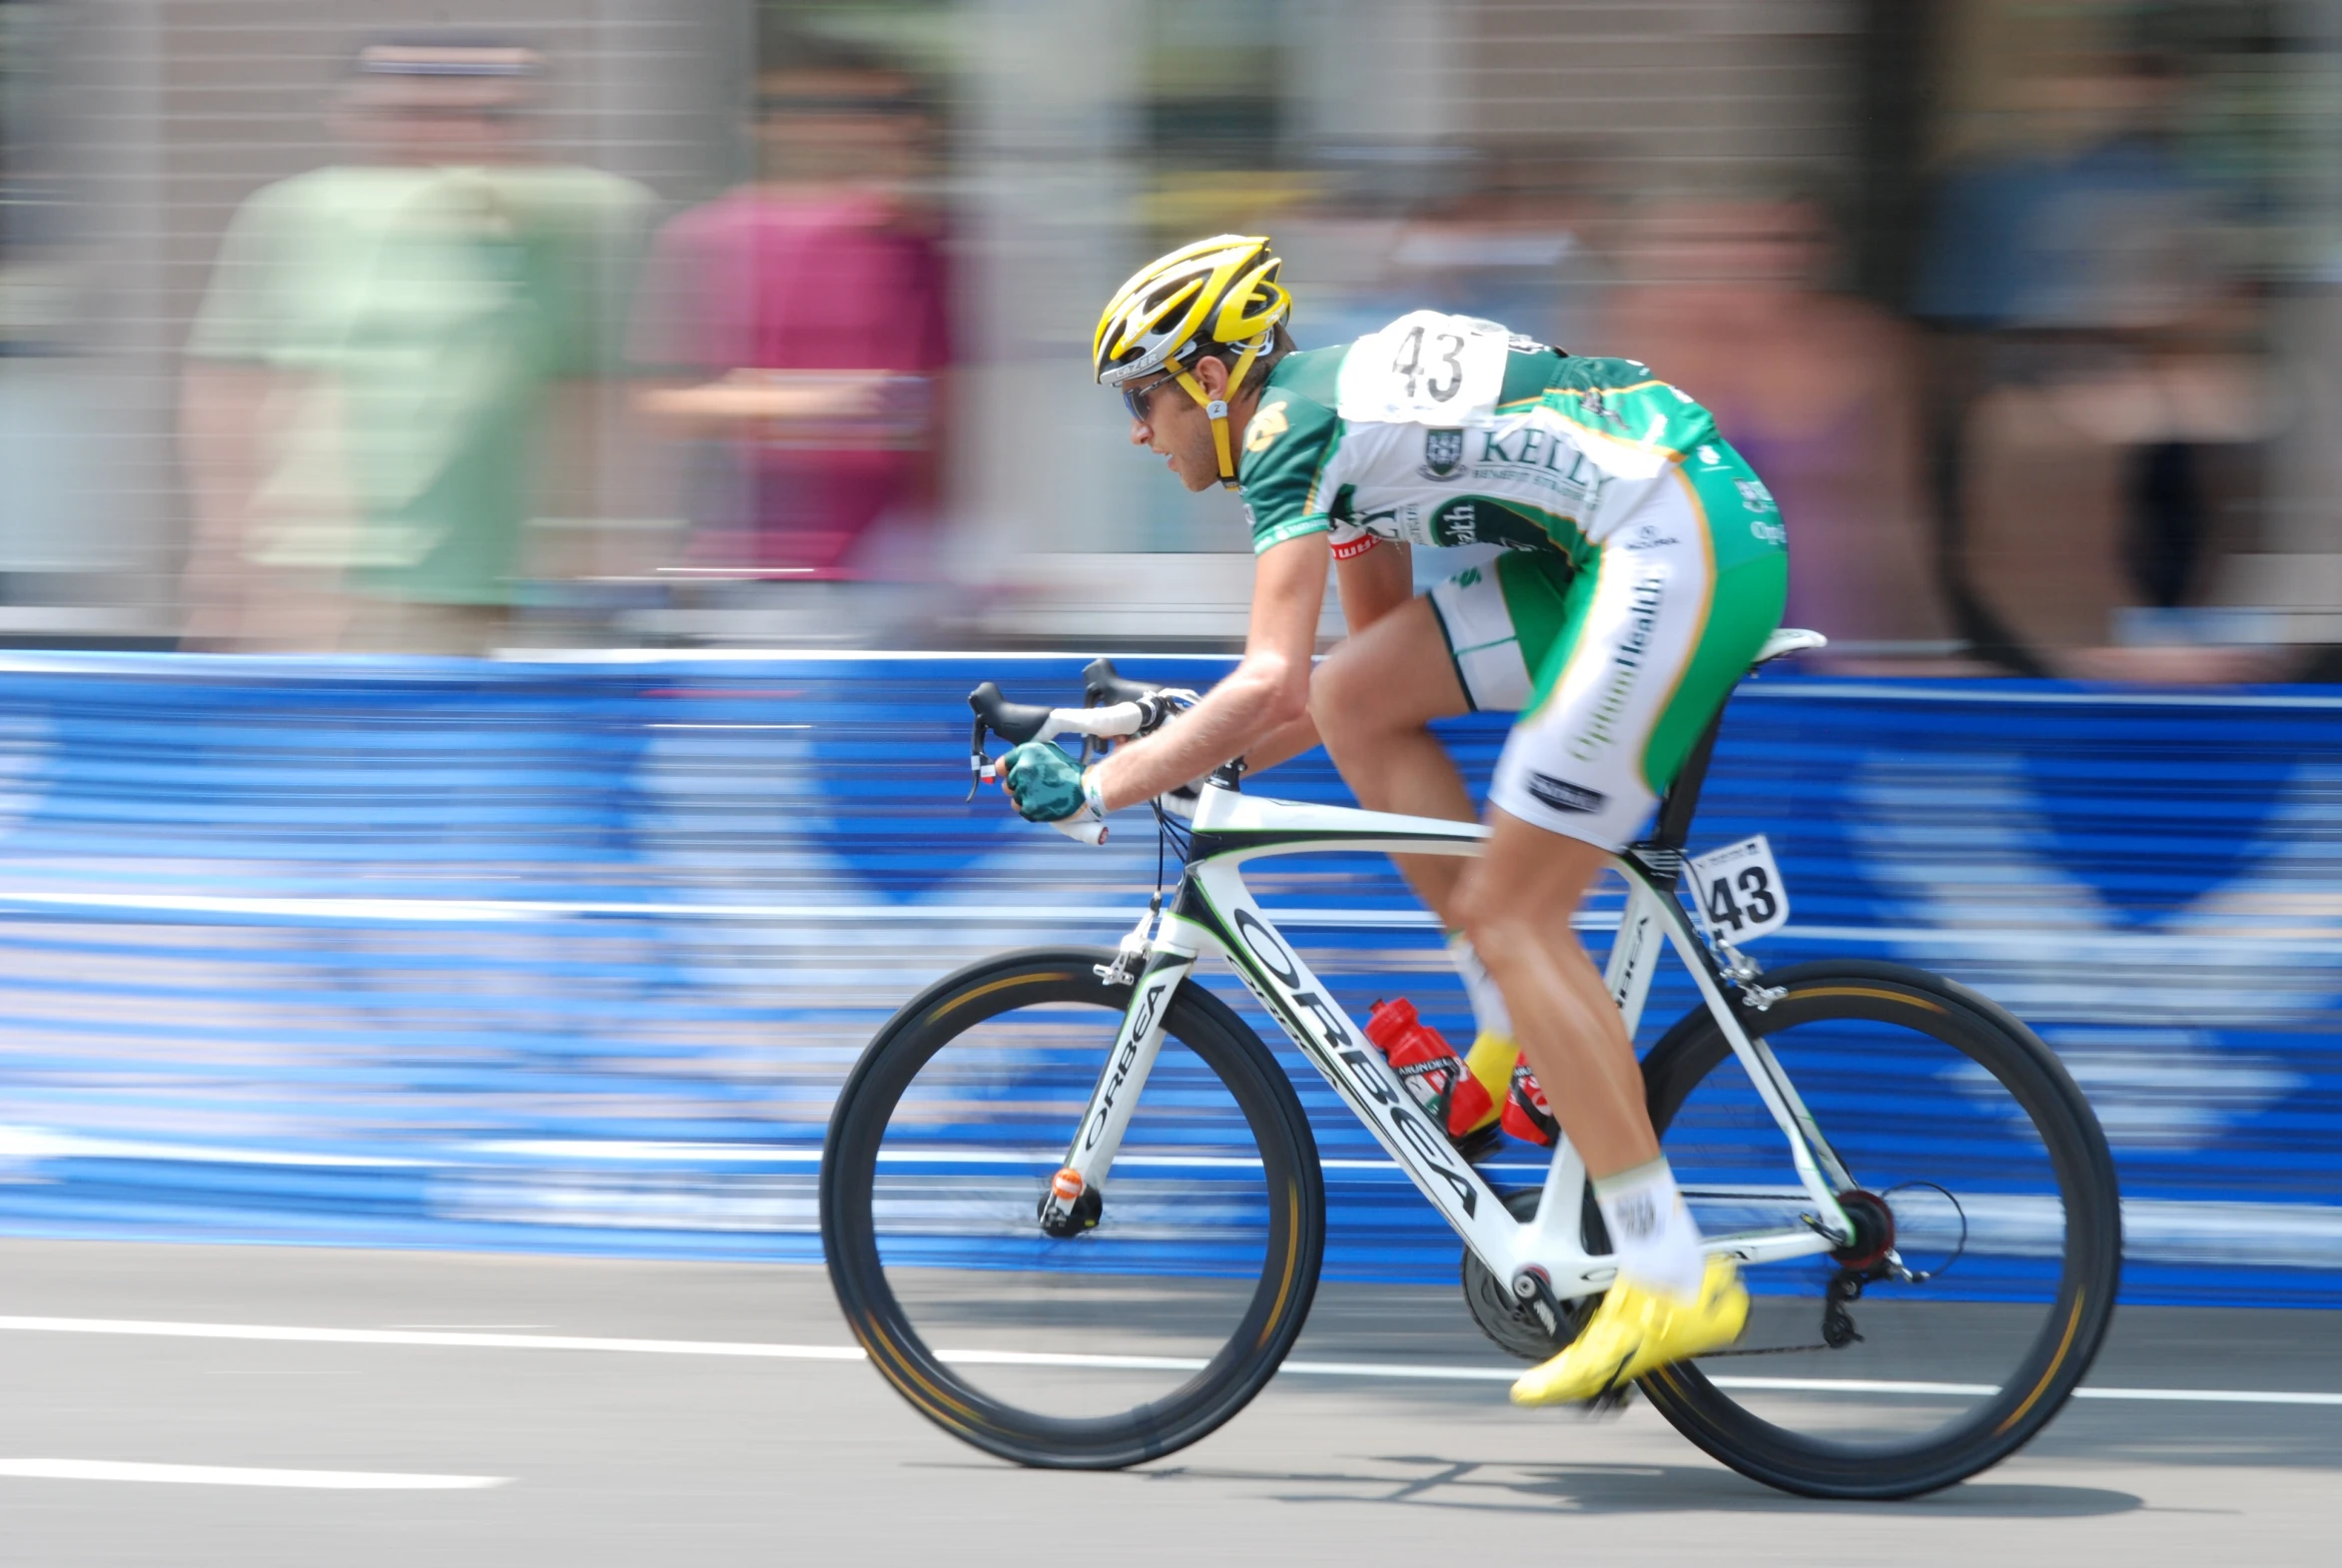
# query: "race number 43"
[[1740, 891]]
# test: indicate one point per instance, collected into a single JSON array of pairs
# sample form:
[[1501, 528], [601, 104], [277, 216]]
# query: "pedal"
[[1609, 1403], [1479, 1146]]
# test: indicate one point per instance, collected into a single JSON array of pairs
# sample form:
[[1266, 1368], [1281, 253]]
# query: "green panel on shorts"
[[1560, 636], [1744, 612], [1751, 588], [1537, 587], [1744, 523]]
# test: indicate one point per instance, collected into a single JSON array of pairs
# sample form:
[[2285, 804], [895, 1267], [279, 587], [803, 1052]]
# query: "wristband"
[[1091, 791]]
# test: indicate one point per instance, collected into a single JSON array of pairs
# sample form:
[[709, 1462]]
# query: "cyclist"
[[1644, 565]]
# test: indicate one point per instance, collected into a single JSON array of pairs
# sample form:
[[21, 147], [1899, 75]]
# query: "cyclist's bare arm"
[[1267, 691], [1372, 584]]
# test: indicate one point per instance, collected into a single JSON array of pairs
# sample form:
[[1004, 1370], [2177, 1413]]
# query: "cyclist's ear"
[[1211, 372]]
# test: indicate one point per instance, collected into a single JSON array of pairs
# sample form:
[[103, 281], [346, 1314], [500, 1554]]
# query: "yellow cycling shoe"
[[1490, 1060], [1636, 1329]]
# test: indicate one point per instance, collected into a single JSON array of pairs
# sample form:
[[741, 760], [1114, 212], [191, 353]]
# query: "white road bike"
[[1073, 1210]]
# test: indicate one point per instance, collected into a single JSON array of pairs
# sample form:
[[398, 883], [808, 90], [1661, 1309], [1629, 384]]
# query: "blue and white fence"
[[573, 956]]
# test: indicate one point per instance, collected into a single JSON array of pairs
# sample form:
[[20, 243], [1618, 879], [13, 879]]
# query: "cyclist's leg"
[[1563, 1017], [1373, 700], [1657, 638], [1469, 644]]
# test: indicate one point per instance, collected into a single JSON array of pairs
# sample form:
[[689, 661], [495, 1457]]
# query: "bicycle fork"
[[1077, 1194]]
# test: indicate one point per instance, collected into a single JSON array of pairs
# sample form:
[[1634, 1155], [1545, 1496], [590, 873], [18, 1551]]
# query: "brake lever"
[[979, 767]]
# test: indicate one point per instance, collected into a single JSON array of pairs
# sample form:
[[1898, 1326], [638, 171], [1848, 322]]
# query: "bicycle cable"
[[1959, 1248], [1909, 1277], [1169, 836]]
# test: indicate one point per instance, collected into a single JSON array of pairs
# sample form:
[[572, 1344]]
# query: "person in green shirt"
[[383, 349], [1644, 565]]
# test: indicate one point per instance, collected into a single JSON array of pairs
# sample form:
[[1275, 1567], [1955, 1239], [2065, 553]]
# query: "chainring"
[[1515, 1329]]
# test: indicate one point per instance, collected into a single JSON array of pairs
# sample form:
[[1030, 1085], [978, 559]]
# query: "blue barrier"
[[410, 953]]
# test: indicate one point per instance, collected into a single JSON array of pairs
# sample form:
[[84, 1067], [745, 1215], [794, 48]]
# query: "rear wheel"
[[1974, 1159], [1101, 1349]]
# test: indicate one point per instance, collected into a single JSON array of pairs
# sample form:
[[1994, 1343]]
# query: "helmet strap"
[[1221, 445]]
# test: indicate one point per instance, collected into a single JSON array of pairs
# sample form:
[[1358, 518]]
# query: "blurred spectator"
[[2095, 375], [802, 324], [385, 347], [1516, 245], [1817, 390], [1512, 238]]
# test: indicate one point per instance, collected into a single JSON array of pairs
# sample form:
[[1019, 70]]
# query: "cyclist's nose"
[[1142, 434]]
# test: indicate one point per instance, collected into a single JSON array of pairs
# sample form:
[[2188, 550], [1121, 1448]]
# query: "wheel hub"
[[1873, 1231]]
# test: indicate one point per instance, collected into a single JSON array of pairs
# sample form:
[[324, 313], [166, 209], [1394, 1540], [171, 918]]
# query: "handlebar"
[[1101, 683], [1115, 709], [1014, 723], [1018, 722]]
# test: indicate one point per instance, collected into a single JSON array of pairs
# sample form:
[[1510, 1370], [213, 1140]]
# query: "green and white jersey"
[[1446, 430]]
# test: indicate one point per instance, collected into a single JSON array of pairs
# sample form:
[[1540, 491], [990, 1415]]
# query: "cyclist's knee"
[[1527, 886], [1342, 700], [1498, 915]]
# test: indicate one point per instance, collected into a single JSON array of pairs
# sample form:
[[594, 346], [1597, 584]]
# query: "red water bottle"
[[1428, 1065], [1528, 1116]]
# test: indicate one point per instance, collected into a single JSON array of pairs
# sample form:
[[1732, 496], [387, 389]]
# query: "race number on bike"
[[1740, 891]]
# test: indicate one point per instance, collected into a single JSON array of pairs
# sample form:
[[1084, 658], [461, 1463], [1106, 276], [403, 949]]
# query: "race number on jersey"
[[1740, 892], [1425, 369]]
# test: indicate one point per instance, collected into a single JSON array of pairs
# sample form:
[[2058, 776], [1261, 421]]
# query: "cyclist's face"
[[1175, 426]]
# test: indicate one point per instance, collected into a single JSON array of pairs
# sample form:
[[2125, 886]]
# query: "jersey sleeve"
[[1289, 444]]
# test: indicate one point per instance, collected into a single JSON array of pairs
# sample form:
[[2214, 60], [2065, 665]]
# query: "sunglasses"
[[1137, 398]]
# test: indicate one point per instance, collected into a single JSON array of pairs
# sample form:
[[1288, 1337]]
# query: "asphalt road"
[[438, 1445]]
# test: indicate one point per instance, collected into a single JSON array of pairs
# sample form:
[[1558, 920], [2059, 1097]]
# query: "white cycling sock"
[[1488, 1011], [1652, 1233]]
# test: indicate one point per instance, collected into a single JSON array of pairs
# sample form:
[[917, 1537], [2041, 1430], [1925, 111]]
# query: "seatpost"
[[1673, 828]]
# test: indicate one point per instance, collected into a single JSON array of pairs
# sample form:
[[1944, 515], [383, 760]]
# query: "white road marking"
[[1867, 1385], [289, 1334], [2208, 1395], [1441, 1374], [398, 1337], [1180, 1363], [227, 1475]]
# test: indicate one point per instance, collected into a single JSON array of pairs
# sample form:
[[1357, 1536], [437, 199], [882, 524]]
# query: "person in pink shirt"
[[800, 327]]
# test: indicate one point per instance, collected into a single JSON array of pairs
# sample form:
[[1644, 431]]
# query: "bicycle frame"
[[1215, 911]]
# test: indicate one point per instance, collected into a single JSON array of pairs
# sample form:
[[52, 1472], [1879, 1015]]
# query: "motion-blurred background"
[[720, 364], [685, 323]]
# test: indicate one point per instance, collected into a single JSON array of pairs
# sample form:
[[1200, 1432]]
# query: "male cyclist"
[[1645, 565]]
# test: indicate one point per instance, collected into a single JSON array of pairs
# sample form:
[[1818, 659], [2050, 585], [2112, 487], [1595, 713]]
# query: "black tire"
[[1272, 1313], [2044, 1366]]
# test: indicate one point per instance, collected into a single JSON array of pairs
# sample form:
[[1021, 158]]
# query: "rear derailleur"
[[1838, 1329]]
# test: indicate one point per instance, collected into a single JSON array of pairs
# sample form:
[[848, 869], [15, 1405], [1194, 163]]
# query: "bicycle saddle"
[[1786, 641]]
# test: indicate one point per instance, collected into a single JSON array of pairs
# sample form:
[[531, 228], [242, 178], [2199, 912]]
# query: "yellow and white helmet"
[[1220, 294]]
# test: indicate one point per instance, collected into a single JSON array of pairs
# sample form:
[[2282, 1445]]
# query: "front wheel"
[[1095, 1351], [1974, 1157]]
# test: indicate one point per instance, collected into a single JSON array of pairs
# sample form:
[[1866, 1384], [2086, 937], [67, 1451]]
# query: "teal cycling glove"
[[1043, 781]]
